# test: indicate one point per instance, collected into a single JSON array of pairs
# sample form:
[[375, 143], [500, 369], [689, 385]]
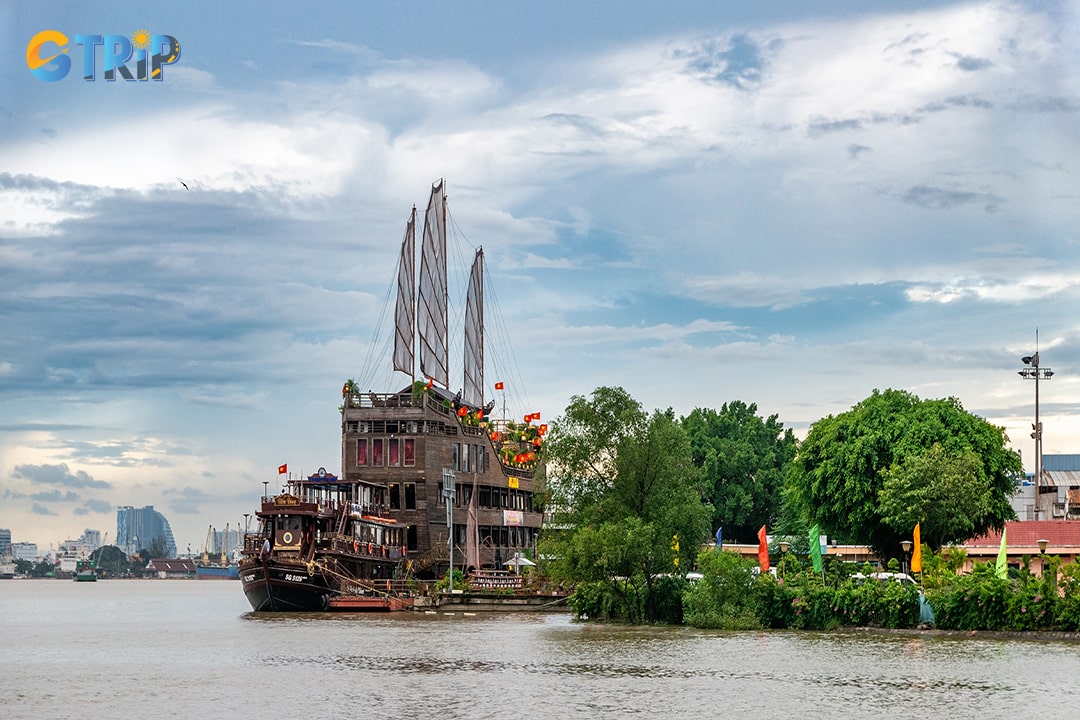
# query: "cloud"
[[939, 198], [738, 60], [189, 501], [95, 507], [972, 64], [41, 510], [57, 475], [55, 496]]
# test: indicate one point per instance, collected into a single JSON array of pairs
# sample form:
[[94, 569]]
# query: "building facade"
[[5, 542], [136, 528], [25, 551]]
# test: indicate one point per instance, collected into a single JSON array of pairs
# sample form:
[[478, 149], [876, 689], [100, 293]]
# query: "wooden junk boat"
[[430, 480], [460, 480], [319, 542]]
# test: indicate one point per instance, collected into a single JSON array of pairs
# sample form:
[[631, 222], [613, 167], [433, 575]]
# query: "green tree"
[[158, 547], [842, 465], [625, 492], [743, 459], [945, 493]]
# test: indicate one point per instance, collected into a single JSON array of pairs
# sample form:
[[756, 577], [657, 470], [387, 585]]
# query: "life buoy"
[[384, 551], [355, 546], [370, 549]]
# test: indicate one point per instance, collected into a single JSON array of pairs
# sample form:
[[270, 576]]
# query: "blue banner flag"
[[719, 537]]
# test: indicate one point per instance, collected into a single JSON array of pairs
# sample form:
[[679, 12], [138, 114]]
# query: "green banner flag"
[[1001, 570], [815, 547]]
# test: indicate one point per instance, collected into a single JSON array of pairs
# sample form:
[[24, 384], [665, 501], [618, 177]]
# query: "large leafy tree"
[[625, 492], [840, 473], [946, 493], [743, 459]]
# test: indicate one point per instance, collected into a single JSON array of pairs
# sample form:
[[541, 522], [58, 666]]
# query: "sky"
[[789, 203]]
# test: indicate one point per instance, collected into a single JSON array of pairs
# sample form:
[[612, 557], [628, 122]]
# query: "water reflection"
[[197, 650]]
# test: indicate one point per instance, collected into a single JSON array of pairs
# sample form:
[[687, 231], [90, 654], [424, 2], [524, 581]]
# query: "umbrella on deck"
[[518, 561]]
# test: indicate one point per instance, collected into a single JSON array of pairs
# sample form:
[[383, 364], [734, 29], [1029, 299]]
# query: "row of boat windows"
[[469, 458], [386, 452], [394, 427], [493, 497], [378, 535], [498, 535]]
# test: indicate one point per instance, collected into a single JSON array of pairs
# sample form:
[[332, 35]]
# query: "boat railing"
[[348, 545], [495, 580], [382, 400]]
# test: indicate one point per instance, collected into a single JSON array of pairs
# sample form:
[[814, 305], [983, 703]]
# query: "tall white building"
[[25, 551]]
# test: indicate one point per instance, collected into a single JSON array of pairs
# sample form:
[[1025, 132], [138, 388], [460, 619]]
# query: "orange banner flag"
[[916, 552], [282, 469], [763, 550]]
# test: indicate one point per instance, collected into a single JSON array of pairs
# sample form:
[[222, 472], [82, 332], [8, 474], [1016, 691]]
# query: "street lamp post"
[[784, 545], [906, 545], [1036, 373]]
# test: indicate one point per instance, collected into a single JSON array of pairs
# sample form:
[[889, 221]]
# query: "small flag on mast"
[[498, 386], [282, 469]]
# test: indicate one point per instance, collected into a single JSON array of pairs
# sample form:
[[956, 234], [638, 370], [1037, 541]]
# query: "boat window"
[[395, 496], [393, 454], [474, 463], [456, 458], [377, 452], [362, 452], [410, 452], [410, 496], [410, 541]]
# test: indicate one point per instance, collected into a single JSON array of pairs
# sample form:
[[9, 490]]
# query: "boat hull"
[[270, 587]]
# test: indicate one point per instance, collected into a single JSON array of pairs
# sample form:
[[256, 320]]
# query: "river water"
[[192, 649]]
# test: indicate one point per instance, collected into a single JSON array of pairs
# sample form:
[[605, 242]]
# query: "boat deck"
[[368, 603]]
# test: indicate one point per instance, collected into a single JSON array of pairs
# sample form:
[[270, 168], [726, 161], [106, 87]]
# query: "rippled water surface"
[[192, 649]]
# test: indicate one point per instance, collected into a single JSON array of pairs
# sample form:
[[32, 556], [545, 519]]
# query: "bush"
[[725, 597]]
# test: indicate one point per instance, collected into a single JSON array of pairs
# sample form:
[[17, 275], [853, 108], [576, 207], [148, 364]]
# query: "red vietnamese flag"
[[498, 386], [763, 550], [536, 416], [429, 384], [282, 469], [462, 411]]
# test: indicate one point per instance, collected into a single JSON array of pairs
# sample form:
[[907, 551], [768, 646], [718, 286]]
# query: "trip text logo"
[[48, 58]]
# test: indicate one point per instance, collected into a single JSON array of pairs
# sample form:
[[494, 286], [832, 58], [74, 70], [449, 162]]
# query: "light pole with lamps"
[[906, 545], [1036, 373], [784, 545]]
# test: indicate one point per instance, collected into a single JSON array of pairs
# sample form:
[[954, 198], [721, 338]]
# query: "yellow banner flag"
[[916, 552]]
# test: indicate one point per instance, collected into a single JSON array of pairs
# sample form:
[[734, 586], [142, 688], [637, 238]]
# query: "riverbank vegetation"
[[634, 495]]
